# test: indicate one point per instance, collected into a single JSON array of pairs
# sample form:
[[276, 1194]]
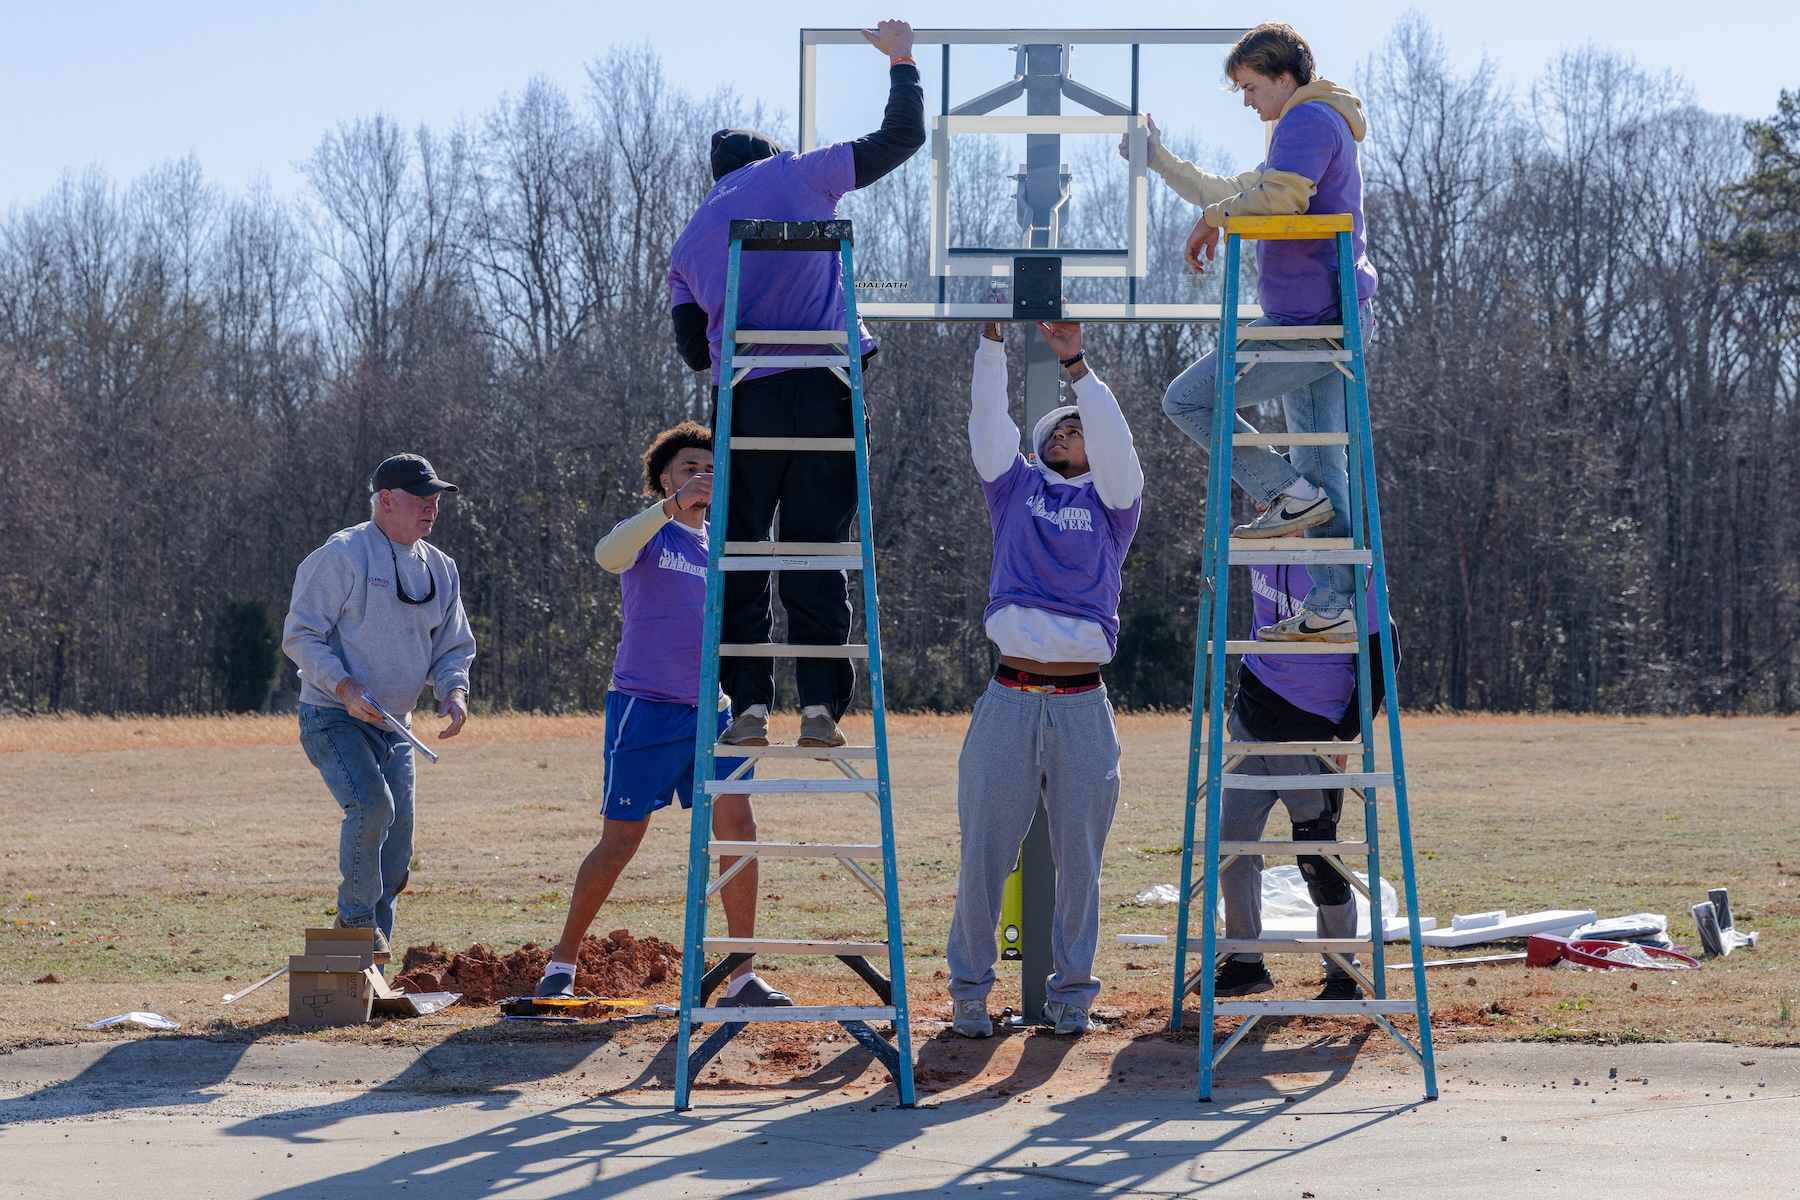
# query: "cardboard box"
[[343, 941], [332, 989]]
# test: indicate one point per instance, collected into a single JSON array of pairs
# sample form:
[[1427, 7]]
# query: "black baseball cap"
[[409, 473]]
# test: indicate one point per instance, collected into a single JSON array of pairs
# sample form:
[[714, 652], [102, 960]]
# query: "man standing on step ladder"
[[1044, 726], [1312, 167], [816, 492], [1289, 698], [660, 559]]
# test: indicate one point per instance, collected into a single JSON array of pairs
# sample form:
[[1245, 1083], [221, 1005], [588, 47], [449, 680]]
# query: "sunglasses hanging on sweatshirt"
[[400, 588]]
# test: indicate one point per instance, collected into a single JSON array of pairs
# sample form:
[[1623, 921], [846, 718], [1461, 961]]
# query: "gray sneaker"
[[748, 730], [1068, 1020], [970, 1019], [820, 731], [381, 942], [1286, 515]]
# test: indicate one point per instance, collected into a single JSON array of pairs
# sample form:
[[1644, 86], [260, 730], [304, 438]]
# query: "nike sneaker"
[[1286, 515], [1309, 626]]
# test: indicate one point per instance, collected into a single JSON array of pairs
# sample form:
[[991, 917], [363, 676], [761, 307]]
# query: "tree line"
[[1583, 383]]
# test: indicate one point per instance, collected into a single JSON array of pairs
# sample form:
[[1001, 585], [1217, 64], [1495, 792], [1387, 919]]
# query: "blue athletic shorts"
[[649, 755]]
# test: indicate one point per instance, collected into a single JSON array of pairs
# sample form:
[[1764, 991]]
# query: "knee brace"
[[1324, 883]]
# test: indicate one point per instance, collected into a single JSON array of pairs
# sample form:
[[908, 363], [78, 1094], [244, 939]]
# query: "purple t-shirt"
[[1057, 547], [1297, 281], [664, 598], [1319, 683], [776, 289]]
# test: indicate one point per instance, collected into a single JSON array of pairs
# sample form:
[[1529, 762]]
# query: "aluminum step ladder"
[[1211, 757], [839, 350]]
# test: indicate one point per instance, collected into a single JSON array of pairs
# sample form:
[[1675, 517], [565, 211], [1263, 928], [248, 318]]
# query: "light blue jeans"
[[370, 773], [1312, 400]]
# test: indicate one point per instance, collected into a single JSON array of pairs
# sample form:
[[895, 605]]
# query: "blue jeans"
[[1312, 400], [370, 773]]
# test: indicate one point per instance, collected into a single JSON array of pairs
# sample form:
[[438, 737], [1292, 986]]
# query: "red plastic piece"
[[1545, 950]]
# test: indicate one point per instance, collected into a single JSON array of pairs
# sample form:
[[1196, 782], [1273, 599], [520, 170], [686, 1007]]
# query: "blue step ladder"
[[839, 350], [1211, 757]]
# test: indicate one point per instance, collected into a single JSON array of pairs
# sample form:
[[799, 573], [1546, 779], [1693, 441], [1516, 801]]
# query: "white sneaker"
[[969, 1018], [1069, 1020], [1307, 626], [1286, 515]]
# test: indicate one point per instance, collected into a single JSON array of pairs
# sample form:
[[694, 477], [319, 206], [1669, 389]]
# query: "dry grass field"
[[159, 864]]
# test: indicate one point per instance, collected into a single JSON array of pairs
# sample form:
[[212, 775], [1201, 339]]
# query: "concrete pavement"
[[175, 1117]]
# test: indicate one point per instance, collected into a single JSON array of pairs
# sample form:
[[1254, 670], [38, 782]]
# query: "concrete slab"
[[184, 1118]]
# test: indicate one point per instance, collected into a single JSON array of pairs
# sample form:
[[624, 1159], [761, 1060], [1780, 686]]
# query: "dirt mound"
[[615, 965]]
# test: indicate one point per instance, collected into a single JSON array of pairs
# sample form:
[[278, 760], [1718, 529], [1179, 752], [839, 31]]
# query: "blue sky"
[[249, 87]]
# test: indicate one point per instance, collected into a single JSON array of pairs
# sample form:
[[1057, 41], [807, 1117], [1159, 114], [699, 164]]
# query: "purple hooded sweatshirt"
[[1319, 683]]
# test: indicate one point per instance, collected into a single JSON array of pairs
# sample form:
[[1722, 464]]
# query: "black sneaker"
[[1236, 978], [559, 985], [757, 994], [1340, 987]]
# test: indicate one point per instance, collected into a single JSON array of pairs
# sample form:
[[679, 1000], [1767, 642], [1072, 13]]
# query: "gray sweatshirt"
[[346, 620]]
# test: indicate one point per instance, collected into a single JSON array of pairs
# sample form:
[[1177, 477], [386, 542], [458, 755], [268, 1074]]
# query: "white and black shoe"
[[1286, 515], [1308, 626]]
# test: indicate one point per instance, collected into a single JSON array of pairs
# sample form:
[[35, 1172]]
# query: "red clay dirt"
[[617, 965]]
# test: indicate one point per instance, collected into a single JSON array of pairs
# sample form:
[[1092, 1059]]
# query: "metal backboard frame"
[[1040, 189]]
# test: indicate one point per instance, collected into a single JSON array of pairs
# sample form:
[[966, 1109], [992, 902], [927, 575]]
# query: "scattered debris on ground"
[[615, 965]]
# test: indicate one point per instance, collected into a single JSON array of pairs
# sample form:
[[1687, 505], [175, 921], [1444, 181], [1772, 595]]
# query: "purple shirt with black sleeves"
[[664, 597], [1297, 281], [776, 290], [1319, 683], [1057, 547]]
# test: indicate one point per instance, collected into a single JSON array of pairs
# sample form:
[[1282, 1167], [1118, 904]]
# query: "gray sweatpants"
[[1021, 745], [1242, 817]]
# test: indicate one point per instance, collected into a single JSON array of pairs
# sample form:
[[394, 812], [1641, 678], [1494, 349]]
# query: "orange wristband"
[[904, 58]]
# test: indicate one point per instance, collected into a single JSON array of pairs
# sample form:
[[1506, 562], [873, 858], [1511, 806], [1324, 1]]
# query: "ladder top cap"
[[791, 235], [1322, 225]]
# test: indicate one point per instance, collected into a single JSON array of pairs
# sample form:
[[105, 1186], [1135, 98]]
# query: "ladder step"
[[1234, 646], [816, 753], [731, 945], [1288, 333], [802, 787], [1298, 946], [1332, 779], [791, 337], [793, 562], [792, 850], [1295, 848], [1268, 749], [1236, 544], [1290, 439], [780, 548], [1245, 558], [1310, 1008], [738, 361], [793, 443], [790, 650], [799, 1012], [1273, 356]]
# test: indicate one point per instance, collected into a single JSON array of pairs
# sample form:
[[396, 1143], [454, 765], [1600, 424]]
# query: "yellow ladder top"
[[1288, 228]]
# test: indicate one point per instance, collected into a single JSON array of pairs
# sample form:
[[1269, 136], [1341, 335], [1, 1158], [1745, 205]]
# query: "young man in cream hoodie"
[[1312, 167]]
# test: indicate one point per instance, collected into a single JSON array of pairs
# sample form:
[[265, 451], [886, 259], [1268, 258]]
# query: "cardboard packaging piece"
[[336, 981]]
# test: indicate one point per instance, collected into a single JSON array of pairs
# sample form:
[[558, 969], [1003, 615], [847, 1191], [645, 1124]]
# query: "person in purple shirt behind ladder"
[[651, 708], [1044, 726], [816, 493], [1312, 167], [1289, 698]]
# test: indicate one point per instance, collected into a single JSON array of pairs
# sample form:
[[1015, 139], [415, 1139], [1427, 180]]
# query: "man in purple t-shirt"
[[1312, 167], [815, 492], [1044, 727], [651, 708]]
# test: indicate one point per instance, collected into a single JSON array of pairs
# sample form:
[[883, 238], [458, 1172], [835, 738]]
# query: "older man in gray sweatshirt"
[[377, 614]]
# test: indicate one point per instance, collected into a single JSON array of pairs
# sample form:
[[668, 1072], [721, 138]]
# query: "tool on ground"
[[400, 728], [1211, 757], [269, 978], [839, 351], [570, 1006]]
